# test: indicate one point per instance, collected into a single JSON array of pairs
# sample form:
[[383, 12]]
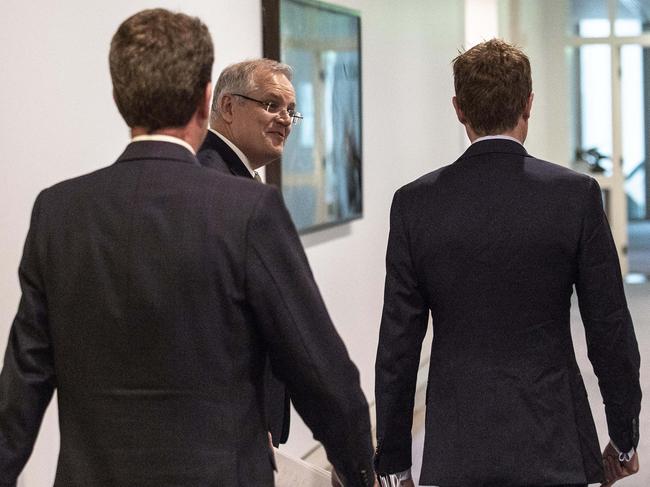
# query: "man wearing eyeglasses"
[[253, 109]]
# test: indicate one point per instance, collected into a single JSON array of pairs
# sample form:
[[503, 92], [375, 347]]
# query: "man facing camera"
[[492, 246], [253, 109], [153, 291]]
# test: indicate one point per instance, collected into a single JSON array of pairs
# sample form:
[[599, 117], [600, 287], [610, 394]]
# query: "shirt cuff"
[[405, 475], [623, 456], [394, 479]]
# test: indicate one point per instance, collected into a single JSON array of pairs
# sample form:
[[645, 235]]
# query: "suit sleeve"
[[403, 326], [611, 342], [306, 351], [27, 379]]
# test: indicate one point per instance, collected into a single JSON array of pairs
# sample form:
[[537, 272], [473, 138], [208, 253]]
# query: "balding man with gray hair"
[[253, 110]]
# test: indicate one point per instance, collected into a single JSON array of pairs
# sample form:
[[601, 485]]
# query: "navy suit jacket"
[[492, 246], [216, 154], [152, 292]]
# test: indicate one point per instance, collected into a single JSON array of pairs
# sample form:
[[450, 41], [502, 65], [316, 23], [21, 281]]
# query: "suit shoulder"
[[553, 168], [75, 183], [212, 159], [558, 174], [235, 189], [424, 182]]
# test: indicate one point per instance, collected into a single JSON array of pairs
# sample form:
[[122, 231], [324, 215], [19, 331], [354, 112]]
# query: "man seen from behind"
[[153, 291], [492, 247]]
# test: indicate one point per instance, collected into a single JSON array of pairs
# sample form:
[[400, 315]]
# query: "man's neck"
[[188, 134], [518, 132]]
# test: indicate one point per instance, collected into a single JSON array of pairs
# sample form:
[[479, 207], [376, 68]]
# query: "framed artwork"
[[321, 167]]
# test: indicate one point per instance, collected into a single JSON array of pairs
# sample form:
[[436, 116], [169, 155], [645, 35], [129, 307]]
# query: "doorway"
[[610, 40]]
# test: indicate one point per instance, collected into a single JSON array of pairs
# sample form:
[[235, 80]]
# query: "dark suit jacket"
[[492, 246], [152, 291], [216, 154]]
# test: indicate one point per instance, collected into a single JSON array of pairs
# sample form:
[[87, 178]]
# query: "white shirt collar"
[[503, 137], [164, 138], [239, 153]]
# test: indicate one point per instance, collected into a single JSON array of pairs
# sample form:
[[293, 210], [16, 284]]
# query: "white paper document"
[[293, 472]]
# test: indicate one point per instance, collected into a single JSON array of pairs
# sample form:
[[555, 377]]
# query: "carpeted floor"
[[638, 296]]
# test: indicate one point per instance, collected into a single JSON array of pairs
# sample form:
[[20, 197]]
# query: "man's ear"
[[226, 107], [459, 112], [528, 107]]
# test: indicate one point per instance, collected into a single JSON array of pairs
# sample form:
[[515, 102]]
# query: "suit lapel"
[[234, 163]]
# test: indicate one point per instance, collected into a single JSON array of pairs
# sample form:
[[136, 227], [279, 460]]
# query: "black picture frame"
[[320, 173]]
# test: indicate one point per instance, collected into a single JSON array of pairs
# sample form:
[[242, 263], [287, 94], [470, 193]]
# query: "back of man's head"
[[493, 84], [242, 77], [160, 64]]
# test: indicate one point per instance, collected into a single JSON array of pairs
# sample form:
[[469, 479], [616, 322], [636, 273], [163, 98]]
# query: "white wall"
[[481, 21], [58, 120], [539, 29]]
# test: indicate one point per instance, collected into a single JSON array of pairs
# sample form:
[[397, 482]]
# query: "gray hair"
[[240, 78]]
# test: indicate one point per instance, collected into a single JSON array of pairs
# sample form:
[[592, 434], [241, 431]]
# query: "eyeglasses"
[[275, 109]]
